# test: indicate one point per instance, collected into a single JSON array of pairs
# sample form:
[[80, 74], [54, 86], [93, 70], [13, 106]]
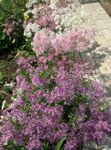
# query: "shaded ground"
[[107, 6], [100, 22], [99, 56], [7, 74]]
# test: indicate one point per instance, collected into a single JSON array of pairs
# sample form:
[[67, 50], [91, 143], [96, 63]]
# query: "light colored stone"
[[95, 5], [101, 40], [109, 49], [105, 17], [108, 25], [90, 21], [107, 20], [100, 10], [98, 32], [95, 16], [89, 8], [109, 43], [106, 33], [100, 24], [103, 69]]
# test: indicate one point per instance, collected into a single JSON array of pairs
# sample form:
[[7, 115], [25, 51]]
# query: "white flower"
[[19, 91], [65, 17], [10, 85], [53, 4], [3, 104], [28, 34], [27, 31], [30, 3], [28, 12], [35, 11], [31, 28], [35, 27]]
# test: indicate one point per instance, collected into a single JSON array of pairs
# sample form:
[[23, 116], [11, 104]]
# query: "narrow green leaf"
[[60, 143]]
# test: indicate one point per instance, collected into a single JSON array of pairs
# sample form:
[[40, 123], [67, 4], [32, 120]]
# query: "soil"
[[106, 5]]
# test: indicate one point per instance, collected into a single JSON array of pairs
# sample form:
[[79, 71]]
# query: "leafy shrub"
[[11, 20], [57, 106], [4, 40]]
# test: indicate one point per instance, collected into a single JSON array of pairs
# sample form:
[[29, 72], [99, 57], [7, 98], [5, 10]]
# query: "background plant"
[[11, 20]]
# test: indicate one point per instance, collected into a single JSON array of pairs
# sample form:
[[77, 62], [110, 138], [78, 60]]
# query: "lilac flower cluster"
[[74, 40], [56, 101]]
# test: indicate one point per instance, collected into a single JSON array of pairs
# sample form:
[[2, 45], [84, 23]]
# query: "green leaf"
[[60, 143], [2, 76], [11, 145], [2, 35]]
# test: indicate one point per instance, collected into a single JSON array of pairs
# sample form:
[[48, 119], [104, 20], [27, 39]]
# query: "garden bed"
[[55, 103]]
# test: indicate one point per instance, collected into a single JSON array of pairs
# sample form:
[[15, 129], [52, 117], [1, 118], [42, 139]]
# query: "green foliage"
[[2, 35], [11, 11], [12, 7], [59, 145], [26, 49], [13, 146], [50, 85], [1, 100], [2, 76], [7, 74], [48, 72], [70, 110], [5, 42]]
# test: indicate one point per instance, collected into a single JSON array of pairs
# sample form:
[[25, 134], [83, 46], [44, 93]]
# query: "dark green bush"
[[11, 14]]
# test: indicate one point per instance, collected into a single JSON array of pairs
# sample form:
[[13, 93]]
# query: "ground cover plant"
[[55, 101], [57, 104]]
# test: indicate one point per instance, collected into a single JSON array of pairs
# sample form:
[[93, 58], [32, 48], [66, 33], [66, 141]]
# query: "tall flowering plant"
[[56, 107]]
